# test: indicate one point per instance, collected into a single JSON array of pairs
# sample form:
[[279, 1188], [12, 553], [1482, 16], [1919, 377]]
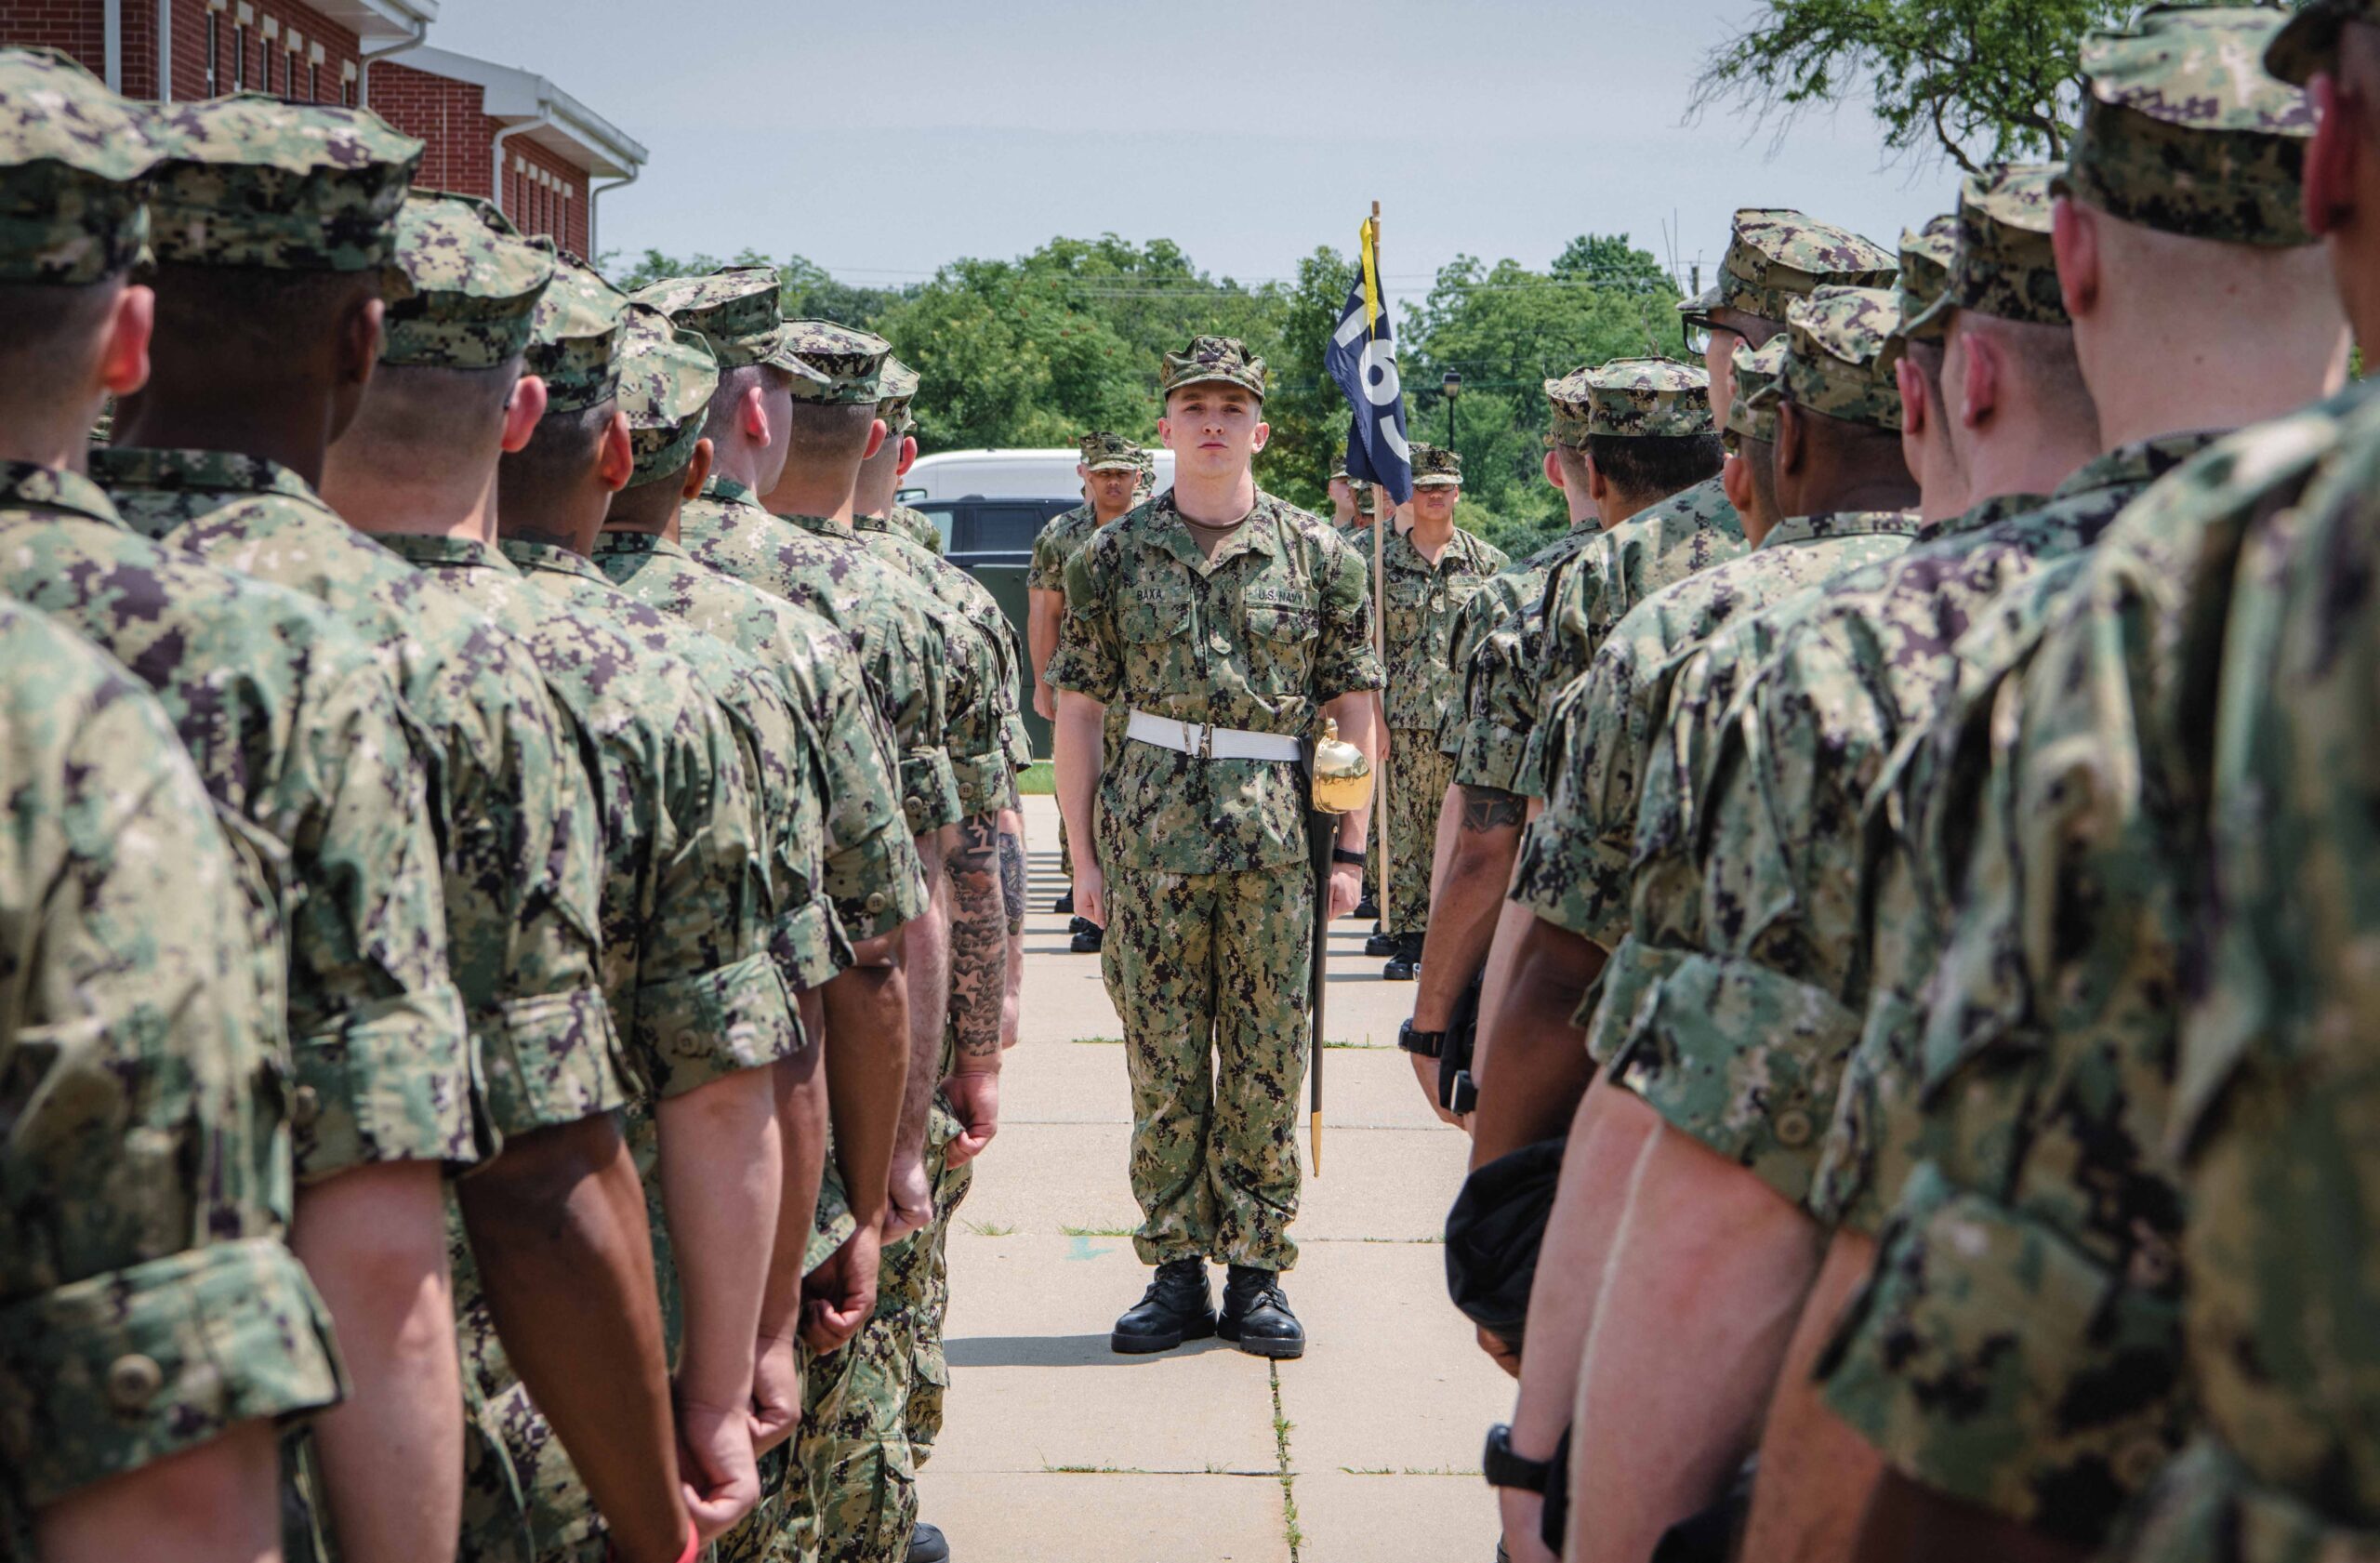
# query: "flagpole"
[[1382, 519]]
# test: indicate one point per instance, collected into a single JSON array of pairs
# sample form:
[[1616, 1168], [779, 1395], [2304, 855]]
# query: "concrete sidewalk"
[[1368, 1447]]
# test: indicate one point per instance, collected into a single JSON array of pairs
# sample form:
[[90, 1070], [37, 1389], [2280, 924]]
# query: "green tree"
[[1976, 81], [1507, 330]]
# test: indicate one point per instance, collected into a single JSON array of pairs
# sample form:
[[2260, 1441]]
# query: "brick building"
[[492, 130], [510, 134]]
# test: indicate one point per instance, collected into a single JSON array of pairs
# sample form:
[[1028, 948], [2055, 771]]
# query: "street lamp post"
[[1452, 386]]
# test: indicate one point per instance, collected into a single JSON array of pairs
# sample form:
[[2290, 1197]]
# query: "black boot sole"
[[1149, 1345], [1276, 1351]]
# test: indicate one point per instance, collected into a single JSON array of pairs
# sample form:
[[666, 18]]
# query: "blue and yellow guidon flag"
[[1362, 358]]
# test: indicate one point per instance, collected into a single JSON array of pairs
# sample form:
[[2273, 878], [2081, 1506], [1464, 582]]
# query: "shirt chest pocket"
[[1155, 626], [1280, 641]]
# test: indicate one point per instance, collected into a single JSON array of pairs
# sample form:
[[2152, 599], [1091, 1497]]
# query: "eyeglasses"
[[1696, 330]]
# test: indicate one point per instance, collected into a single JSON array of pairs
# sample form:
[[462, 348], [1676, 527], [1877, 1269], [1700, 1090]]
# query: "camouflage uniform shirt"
[[2021, 1099], [146, 1301], [1496, 646], [1420, 604], [871, 869], [2273, 1098], [524, 844], [905, 661], [1259, 638], [1624, 564], [779, 755], [1574, 857], [296, 730], [976, 735], [963, 594]]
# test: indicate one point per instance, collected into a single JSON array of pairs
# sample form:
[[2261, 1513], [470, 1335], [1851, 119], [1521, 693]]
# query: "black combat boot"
[[1380, 944], [1089, 937], [1064, 907], [1368, 906], [1173, 1310], [928, 1544], [1256, 1315], [1406, 962]]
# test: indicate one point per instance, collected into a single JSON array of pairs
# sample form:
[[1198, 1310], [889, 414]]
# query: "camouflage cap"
[[1836, 361], [1102, 452], [2309, 42], [1647, 397], [739, 312], [72, 154], [1925, 256], [850, 363], [894, 395], [1756, 370], [465, 286], [250, 180], [2003, 266], [1435, 467], [1775, 257], [1697, 310], [667, 377], [574, 337], [1212, 358], [1572, 400], [1339, 473], [2184, 132]]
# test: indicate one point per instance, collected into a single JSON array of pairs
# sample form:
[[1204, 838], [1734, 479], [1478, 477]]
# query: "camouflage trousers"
[[869, 1412], [1210, 973], [1417, 777]]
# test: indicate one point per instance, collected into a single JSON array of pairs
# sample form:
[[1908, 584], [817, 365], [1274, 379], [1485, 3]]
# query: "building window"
[[239, 59], [214, 53], [315, 81]]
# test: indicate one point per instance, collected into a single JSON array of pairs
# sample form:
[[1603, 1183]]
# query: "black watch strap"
[[1429, 1044], [1352, 859], [1503, 1468]]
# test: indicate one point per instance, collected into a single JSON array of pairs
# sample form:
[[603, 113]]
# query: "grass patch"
[[1097, 1231], [987, 1229], [1040, 779], [1099, 1042], [1282, 1428]]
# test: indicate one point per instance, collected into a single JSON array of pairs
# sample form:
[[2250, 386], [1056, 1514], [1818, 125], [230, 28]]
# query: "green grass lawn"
[[1038, 779]]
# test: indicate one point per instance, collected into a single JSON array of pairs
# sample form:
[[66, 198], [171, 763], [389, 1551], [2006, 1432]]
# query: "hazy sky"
[[882, 141]]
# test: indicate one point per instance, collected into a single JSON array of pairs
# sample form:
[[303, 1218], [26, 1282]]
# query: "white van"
[[1007, 474]]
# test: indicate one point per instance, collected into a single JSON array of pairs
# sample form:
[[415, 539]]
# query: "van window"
[[1002, 528]]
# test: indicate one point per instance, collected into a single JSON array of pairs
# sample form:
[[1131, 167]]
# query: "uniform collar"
[[54, 488], [728, 489], [1839, 523], [1999, 507], [634, 543], [1257, 534], [872, 523], [2138, 463], [463, 552], [824, 526], [550, 557], [197, 471]]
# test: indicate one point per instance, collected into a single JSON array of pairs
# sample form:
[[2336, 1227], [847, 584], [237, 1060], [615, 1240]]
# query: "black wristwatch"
[[1352, 859], [1429, 1044], [1503, 1468]]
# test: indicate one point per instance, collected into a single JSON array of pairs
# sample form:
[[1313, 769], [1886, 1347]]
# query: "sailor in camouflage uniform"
[[297, 732], [1493, 650], [247, 181], [1774, 256], [1428, 573], [685, 902], [2271, 1092], [1575, 861], [149, 1309], [887, 1401], [1228, 625], [2015, 1102], [668, 379], [1109, 469]]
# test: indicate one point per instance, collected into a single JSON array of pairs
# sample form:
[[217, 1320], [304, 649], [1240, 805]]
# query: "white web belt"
[[1210, 743]]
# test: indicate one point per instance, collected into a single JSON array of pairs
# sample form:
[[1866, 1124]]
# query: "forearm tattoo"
[[1012, 880], [978, 938], [1491, 808]]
